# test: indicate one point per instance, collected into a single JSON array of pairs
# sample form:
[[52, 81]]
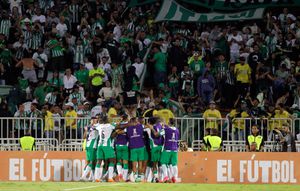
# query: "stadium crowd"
[[83, 58]]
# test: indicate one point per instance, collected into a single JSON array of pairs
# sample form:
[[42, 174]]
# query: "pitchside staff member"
[[286, 139], [214, 142], [254, 142], [27, 142]]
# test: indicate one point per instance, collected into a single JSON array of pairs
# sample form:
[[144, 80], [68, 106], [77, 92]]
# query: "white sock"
[[148, 170], [110, 172], [175, 172], [150, 176], [97, 173], [101, 172], [170, 171], [86, 171], [91, 175], [131, 177], [119, 169], [161, 172], [125, 174], [164, 172]]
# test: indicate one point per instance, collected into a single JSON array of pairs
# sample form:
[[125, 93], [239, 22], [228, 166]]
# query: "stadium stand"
[[62, 63]]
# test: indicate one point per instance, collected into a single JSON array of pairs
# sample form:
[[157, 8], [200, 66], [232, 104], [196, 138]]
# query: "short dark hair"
[[172, 121], [214, 131]]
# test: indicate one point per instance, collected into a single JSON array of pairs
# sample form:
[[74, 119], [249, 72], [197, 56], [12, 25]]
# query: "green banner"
[[227, 5], [233, 5], [134, 3], [172, 11]]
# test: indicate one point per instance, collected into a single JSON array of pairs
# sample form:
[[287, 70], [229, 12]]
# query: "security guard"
[[205, 140], [215, 142], [255, 142], [27, 142]]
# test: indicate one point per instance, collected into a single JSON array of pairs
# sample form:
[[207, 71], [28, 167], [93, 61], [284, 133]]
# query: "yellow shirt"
[[242, 73], [164, 114], [112, 112], [281, 118], [71, 119], [238, 123], [211, 118], [49, 123]]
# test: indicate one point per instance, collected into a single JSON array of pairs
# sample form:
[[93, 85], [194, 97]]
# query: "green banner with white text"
[[172, 11], [228, 5], [233, 5]]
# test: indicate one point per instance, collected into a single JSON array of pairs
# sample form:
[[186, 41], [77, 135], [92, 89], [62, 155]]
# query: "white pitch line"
[[87, 187]]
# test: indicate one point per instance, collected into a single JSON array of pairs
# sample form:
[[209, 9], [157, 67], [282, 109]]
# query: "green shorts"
[[90, 154], [156, 153], [122, 152], [105, 152], [137, 154], [146, 155], [169, 158]]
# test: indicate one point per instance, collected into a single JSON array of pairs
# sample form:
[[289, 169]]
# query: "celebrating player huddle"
[[131, 151]]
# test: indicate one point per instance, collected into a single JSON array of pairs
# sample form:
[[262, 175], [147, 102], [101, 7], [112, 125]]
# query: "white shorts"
[[30, 75]]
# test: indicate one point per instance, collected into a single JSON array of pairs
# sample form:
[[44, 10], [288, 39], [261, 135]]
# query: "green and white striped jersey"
[[76, 95], [78, 54], [56, 50], [21, 123], [36, 40], [105, 131], [92, 136], [84, 119], [5, 25]]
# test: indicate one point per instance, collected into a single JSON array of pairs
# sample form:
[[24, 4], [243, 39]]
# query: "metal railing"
[[59, 128], [71, 145], [232, 129], [240, 146], [41, 144], [69, 131]]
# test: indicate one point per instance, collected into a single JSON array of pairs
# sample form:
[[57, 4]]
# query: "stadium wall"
[[194, 167]]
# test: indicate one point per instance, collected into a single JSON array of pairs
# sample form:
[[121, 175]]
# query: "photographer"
[[286, 139]]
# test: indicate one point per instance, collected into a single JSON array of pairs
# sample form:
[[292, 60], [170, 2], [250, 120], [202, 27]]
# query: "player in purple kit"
[[122, 152], [169, 154], [154, 130], [137, 149]]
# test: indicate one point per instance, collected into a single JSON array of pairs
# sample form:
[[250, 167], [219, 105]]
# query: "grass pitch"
[[85, 186]]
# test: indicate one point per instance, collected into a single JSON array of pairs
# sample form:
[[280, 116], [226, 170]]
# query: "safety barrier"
[[63, 129], [52, 144], [59, 128], [71, 145], [41, 144], [232, 129], [240, 146]]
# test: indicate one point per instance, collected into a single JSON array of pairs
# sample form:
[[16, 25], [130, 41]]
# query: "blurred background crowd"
[[80, 58]]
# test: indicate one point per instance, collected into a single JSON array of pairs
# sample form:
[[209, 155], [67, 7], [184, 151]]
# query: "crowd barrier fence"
[[64, 133]]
